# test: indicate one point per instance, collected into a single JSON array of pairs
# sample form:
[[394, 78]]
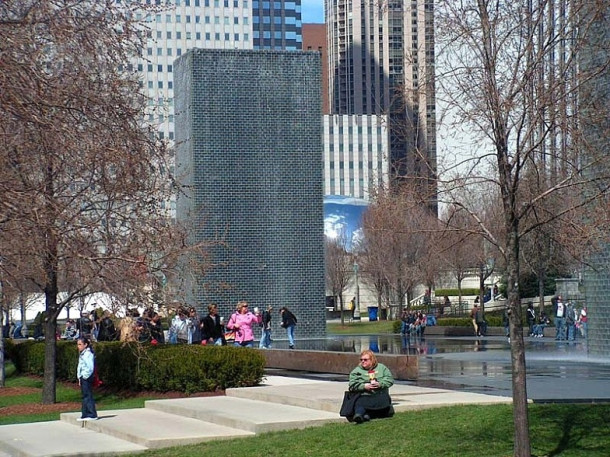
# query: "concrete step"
[[155, 429], [59, 438], [245, 414], [327, 396], [318, 395]]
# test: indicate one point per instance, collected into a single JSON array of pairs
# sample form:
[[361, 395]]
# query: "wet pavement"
[[556, 371]]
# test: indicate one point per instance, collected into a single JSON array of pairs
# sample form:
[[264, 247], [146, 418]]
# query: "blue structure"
[[277, 25], [248, 150], [343, 219]]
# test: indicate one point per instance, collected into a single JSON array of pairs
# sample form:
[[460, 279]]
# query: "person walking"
[[85, 373], [265, 342], [473, 316], [289, 322]]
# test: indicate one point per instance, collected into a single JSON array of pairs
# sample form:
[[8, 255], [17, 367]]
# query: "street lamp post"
[[357, 304]]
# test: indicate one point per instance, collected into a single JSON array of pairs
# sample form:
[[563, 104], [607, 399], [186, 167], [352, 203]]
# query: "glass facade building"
[[277, 25]]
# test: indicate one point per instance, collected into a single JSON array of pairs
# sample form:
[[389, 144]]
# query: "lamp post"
[[357, 304]]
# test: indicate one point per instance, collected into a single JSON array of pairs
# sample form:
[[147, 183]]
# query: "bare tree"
[[83, 182], [396, 231], [338, 267], [458, 245], [513, 73]]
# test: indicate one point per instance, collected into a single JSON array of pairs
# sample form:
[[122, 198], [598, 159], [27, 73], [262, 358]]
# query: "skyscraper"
[[381, 61], [174, 28], [277, 24]]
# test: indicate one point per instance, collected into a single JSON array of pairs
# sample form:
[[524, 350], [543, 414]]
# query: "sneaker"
[[291, 346], [90, 418], [366, 418], [358, 419], [81, 419]]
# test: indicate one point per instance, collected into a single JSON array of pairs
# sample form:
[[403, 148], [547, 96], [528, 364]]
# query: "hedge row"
[[135, 367], [440, 293]]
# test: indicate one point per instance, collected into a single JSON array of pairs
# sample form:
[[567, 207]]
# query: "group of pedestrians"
[[413, 323], [187, 328], [568, 320]]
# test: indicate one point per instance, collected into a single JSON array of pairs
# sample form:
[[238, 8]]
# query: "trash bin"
[[372, 313]]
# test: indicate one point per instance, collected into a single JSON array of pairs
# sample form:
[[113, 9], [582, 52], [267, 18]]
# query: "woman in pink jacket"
[[241, 321]]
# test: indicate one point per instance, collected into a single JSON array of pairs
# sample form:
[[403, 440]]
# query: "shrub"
[[439, 293], [133, 366]]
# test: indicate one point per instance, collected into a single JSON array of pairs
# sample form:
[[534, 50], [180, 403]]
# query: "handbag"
[[230, 335], [97, 382], [349, 403]]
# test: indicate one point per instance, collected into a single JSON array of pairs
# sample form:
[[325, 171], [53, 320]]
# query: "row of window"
[[370, 165], [288, 6], [207, 37], [288, 20], [277, 35], [350, 147], [225, 3]]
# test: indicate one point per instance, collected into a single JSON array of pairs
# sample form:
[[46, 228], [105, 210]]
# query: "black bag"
[[349, 403]]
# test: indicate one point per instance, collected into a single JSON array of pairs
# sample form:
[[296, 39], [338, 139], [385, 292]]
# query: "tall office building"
[[249, 148], [381, 61], [277, 24], [355, 154], [177, 26], [314, 39]]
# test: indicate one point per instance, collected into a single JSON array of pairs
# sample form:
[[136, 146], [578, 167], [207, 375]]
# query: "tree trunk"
[[51, 291], [2, 372], [341, 309], [522, 446], [459, 303], [541, 280], [50, 356]]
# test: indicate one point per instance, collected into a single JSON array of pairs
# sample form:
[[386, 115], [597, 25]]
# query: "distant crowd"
[[184, 325]]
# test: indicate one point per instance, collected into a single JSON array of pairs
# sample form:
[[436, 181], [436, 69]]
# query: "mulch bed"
[[39, 408]]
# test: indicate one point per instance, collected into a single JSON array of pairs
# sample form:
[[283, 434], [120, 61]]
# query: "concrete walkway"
[[280, 403]]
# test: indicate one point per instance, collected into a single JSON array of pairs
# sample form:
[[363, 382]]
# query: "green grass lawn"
[[64, 393], [464, 431], [359, 328]]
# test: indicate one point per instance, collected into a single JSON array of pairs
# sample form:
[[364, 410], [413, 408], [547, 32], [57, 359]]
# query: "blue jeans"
[[570, 332], [88, 406], [560, 330], [265, 341], [290, 333], [244, 344]]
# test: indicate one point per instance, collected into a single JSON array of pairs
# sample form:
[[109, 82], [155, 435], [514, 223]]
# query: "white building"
[[355, 154]]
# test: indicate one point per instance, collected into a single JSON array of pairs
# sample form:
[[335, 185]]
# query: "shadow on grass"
[[573, 429]]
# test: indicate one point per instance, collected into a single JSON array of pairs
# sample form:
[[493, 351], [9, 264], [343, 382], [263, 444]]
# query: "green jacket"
[[359, 377]]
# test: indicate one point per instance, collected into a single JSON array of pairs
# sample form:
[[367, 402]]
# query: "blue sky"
[[312, 11]]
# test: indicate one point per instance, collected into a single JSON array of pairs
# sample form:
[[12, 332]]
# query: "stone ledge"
[[403, 367]]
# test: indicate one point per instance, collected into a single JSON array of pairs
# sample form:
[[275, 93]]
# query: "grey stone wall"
[[249, 142]]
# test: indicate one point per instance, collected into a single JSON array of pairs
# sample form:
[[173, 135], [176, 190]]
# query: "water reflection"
[[484, 364]]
